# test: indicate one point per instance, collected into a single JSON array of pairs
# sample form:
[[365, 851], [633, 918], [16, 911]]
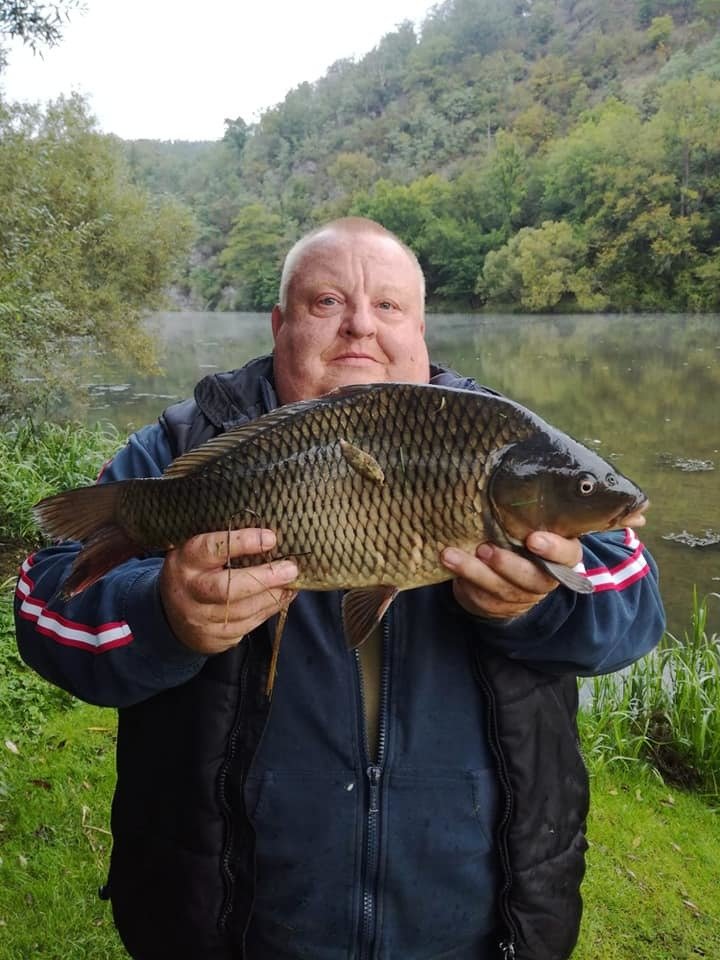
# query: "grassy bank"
[[650, 891]]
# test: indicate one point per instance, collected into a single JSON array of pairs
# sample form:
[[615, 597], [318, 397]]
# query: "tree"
[[33, 22], [236, 134], [659, 31], [84, 252], [253, 257], [539, 268]]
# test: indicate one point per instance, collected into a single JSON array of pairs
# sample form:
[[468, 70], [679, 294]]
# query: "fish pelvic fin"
[[104, 551], [87, 514], [362, 610]]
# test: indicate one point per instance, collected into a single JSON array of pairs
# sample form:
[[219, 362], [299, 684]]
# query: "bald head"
[[351, 311], [350, 227]]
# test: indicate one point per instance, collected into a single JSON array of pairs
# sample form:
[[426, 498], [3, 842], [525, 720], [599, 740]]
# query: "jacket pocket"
[[306, 859], [439, 886]]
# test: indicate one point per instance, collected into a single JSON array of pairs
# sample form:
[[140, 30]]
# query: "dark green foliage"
[[494, 117]]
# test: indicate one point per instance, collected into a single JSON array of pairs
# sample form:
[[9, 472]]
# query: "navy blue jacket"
[[246, 833]]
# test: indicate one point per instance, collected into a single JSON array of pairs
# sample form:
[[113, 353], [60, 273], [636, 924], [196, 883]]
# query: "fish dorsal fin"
[[362, 610], [215, 448], [362, 462]]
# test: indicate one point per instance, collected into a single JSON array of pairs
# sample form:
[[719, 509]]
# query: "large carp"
[[364, 488]]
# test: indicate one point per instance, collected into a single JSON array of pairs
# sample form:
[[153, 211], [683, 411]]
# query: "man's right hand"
[[204, 612]]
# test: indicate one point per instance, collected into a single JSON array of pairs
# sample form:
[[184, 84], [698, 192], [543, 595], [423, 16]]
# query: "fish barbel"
[[364, 488]]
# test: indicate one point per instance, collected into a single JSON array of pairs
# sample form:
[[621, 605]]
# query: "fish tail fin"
[[87, 514], [78, 514]]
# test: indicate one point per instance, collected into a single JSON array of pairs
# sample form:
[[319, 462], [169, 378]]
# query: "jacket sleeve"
[[111, 644], [589, 634]]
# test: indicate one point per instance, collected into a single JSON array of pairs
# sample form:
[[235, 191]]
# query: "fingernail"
[[484, 552], [451, 557], [538, 542], [287, 570], [267, 539]]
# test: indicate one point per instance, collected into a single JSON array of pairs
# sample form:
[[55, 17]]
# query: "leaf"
[[636, 841], [39, 782], [12, 747], [692, 907]]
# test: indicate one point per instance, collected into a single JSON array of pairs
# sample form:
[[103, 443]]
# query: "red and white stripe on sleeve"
[[633, 568], [95, 639]]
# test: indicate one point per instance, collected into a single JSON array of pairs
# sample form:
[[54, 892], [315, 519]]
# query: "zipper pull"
[[507, 949], [374, 776]]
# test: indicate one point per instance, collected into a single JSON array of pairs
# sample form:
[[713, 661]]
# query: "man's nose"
[[359, 319]]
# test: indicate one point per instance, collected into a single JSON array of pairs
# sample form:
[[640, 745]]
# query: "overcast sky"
[[170, 70]]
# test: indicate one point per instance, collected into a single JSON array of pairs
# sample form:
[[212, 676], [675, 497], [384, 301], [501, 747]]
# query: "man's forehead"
[[329, 256]]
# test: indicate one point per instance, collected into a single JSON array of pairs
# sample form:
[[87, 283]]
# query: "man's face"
[[354, 315]]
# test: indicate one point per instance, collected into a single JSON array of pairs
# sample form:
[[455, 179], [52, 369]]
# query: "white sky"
[[174, 70]]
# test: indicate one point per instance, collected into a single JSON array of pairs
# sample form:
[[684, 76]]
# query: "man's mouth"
[[354, 357]]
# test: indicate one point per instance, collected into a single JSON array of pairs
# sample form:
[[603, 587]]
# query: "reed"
[[664, 710]]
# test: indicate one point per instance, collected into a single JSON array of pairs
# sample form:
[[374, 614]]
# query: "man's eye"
[[386, 305], [327, 301]]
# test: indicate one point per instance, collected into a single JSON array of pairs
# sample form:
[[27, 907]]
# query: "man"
[[422, 799]]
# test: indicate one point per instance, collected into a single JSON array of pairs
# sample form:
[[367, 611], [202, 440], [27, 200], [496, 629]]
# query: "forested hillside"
[[542, 153]]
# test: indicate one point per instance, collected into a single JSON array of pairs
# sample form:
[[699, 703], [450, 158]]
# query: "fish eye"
[[611, 480], [586, 485]]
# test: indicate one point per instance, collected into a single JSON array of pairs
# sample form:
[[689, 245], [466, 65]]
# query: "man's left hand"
[[495, 582]]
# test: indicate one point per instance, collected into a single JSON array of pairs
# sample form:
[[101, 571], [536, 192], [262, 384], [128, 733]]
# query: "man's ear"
[[276, 319]]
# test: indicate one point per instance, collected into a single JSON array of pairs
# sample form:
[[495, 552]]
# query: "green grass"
[[41, 459], [651, 889], [54, 844]]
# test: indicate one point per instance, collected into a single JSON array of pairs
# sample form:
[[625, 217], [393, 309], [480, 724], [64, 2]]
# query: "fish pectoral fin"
[[572, 579], [362, 462], [362, 611]]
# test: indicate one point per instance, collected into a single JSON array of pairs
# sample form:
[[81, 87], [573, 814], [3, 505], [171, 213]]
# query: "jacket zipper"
[[374, 772], [507, 944], [228, 877]]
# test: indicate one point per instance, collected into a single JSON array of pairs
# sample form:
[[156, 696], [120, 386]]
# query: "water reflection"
[[642, 390]]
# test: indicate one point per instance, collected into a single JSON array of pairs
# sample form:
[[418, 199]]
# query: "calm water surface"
[[643, 391]]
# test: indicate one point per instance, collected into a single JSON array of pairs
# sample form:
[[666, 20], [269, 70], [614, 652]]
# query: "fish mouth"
[[632, 515]]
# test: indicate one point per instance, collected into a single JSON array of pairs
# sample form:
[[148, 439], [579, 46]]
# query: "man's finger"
[[553, 547], [213, 549], [249, 613], [234, 586], [501, 573]]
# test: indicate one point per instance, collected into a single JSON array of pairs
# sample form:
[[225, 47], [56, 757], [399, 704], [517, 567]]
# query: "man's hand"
[[206, 613], [499, 583]]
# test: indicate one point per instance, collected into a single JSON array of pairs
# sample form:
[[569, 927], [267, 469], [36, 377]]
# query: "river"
[[644, 391]]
